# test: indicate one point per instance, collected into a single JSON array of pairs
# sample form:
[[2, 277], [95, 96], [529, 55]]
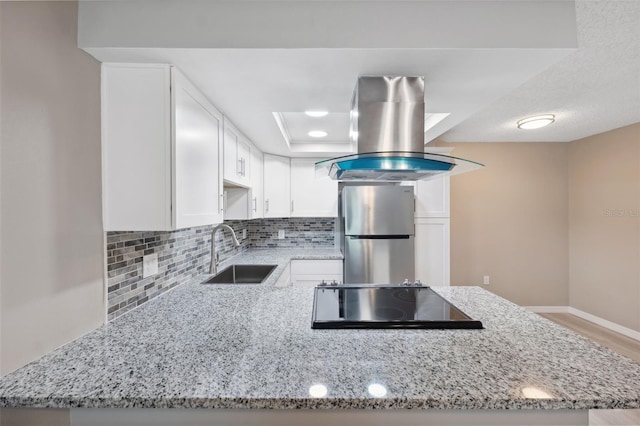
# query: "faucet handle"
[[406, 282]]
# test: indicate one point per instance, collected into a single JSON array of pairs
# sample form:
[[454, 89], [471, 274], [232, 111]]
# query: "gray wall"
[[52, 248]]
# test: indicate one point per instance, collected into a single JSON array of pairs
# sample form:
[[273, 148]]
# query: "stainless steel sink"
[[242, 274]]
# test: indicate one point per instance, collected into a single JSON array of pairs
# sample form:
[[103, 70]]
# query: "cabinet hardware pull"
[[291, 206], [255, 204], [266, 204], [239, 168]]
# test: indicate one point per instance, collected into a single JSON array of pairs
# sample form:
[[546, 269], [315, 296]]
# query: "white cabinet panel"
[[432, 251], [236, 203], [236, 155], [277, 186], [284, 280], [198, 128], [256, 208], [309, 273], [432, 197], [311, 196], [161, 150]]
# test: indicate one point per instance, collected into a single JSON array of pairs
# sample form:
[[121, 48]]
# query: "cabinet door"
[[198, 133], [136, 147], [231, 163], [432, 197], [311, 196], [310, 273], [244, 161], [277, 186], [236, 155], [432, 251], [256, 201]]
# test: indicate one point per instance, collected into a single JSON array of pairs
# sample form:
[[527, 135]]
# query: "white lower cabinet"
[[432, 251], [284, 280], [309, 273]]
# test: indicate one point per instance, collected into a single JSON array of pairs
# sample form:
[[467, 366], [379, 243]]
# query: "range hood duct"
[[387, 126]]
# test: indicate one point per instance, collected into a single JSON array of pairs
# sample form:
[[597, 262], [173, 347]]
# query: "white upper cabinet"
[[432, 197], [256, 208], [311, 196], [237, 160], [161, 147], [277, 186]]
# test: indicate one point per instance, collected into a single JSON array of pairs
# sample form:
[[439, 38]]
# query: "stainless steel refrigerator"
[[377, 226]]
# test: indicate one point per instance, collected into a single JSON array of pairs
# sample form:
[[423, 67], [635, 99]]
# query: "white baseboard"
[[625, 331], [548, 309], [606, 323]]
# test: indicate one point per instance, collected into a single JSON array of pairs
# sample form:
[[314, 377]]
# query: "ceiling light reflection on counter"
[[536, 122], [318, 391], [317, 133], [535, 393], [316, 113], [377, 390]]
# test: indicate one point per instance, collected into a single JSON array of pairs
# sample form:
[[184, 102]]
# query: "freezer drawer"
[[378, 210], [378, 260]]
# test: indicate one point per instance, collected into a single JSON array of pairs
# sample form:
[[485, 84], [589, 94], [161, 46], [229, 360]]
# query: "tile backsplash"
[[298, 232], [185, 253]]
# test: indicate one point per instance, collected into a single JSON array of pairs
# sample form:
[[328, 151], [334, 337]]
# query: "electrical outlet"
[[485, 280], [281, 234], [244, 234], [149, 265]]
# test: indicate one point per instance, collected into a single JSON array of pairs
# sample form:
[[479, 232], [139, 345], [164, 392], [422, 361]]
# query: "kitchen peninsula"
[[229, 348]]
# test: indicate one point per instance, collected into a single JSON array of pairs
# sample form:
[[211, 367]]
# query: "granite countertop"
[[280, 257], [253, 347]]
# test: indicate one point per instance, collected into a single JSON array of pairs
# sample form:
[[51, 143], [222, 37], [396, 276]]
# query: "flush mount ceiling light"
[[316, 113], [317, 133], [536, 122]]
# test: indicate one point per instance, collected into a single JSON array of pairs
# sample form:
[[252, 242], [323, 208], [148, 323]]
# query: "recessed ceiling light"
[[317, 133], [536, 122], [317, 113]]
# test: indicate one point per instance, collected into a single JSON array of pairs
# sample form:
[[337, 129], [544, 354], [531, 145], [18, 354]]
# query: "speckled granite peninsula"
[[251, 346]]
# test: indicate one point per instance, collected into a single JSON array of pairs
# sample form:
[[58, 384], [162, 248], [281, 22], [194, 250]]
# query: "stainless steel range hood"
[[387, 126]]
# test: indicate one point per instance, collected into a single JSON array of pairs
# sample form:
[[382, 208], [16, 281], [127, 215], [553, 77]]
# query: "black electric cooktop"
[[385, 306]]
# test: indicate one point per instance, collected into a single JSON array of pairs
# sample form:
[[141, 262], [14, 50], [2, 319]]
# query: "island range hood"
[[387, 126]]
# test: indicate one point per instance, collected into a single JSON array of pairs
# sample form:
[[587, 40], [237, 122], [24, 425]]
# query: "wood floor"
[[615, 341]]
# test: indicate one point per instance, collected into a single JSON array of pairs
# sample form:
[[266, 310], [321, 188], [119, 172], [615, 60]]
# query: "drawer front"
[[316, 267]]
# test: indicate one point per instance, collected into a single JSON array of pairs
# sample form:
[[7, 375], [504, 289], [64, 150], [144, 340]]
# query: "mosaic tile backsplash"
[[185, 253]]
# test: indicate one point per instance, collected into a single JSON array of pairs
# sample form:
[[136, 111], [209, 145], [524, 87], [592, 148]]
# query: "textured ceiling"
[[486, 88], [591, 91]]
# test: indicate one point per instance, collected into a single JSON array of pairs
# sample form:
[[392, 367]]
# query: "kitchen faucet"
[[215, 257]]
